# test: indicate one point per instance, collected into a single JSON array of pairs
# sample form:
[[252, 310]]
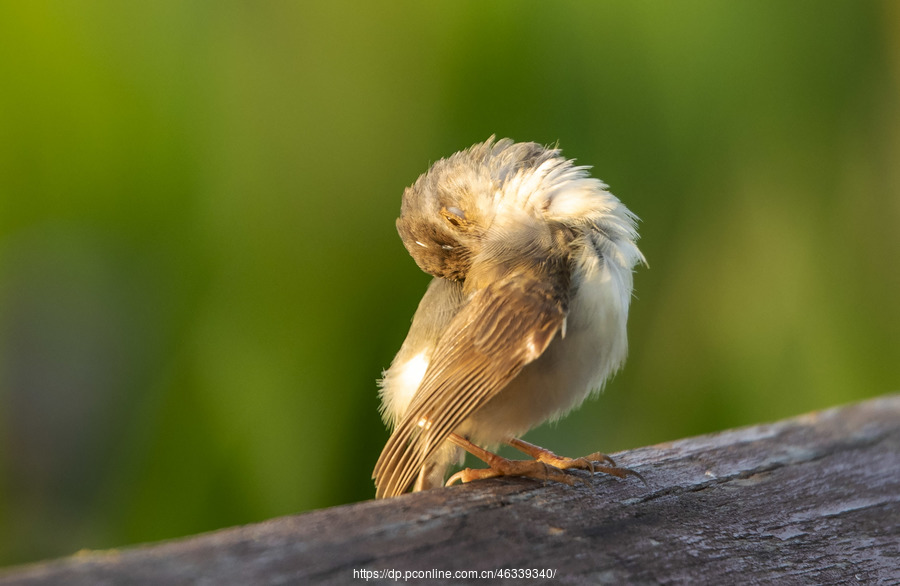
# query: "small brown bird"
[[532, 261]]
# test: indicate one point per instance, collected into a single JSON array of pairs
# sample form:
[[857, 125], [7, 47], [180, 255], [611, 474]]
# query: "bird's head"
[[502, 205]]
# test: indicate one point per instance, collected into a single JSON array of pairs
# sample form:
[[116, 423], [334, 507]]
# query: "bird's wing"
[[502, 328]]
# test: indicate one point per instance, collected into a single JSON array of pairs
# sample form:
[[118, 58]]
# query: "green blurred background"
[[200, 278]]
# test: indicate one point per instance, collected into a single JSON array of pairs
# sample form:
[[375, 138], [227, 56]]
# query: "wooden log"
[[809, 500]]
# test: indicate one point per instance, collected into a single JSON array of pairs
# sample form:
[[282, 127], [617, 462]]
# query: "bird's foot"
[[545, 466], [500, 466], [596, 462]]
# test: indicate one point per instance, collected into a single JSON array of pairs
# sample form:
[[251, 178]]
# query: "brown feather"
[[504, 326]]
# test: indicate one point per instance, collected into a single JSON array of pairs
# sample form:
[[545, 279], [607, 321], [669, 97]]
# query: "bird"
[[532, 261]]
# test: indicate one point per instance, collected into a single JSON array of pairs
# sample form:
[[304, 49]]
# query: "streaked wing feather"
[[502, 328]]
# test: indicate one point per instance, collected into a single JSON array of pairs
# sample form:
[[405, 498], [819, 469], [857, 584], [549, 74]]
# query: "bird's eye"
[[455, 216]]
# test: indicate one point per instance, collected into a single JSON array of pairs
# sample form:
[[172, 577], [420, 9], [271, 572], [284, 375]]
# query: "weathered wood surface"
[[809, 500]]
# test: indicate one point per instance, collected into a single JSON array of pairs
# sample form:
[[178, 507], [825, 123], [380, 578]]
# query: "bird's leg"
[[561, 462], [500, 466]]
